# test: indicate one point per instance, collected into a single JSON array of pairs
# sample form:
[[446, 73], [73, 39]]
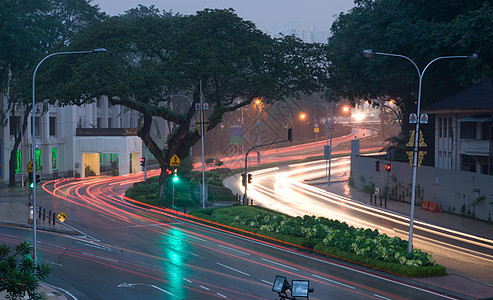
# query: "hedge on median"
[[329, 237]]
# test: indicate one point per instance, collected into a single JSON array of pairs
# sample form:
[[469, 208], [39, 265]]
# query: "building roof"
[[478, 97]]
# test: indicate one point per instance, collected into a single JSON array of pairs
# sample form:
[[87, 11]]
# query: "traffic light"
[[290, 134], [388, 168], [142, 161], [175, 176], [249, 178], [377, 166], [30, 179], [38, 178], [243, 179]]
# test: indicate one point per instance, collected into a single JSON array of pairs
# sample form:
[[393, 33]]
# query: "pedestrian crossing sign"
[[174, 161]]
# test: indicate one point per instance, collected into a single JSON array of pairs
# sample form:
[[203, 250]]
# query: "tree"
[[18, 274], [29, 30], [421, 30], [153, 56]]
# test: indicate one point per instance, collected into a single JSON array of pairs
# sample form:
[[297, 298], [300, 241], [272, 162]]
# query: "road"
[[283, 189], [126, 250]]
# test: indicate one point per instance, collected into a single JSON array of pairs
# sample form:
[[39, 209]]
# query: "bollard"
[[251, 201], [44, 213], [380, 200], [53, 218], [185, 210], [371, 198], [39, 213], [49, 217]]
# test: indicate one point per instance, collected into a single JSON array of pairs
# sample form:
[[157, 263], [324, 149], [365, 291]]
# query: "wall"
[[456, 191]]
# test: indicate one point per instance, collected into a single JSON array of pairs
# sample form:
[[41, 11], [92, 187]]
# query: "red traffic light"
[[388, 168]]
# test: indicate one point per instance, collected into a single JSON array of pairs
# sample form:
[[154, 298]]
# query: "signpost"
[[174, 161], [61, 217]]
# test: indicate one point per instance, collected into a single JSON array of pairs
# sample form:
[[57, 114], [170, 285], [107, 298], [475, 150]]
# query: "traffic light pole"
[[290, 139]]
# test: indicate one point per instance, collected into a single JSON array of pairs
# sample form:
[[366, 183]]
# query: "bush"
[[330, 237], [18, 274]]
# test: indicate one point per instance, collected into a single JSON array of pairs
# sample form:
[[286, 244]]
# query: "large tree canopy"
[[152, 56], [30, 30], [421, 30]]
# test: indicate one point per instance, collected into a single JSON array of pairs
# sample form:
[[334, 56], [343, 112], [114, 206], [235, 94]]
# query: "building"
[[463, 130], [92, 139]]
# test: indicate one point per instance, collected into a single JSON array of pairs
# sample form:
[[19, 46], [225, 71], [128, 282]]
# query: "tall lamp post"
[[34, 137], [258, 103], [329, 138], [370, 53]]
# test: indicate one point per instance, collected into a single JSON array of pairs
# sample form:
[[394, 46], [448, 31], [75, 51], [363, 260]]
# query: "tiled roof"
[[478, 96]]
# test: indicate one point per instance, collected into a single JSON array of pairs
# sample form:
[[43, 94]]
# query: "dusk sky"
[[266, 14]]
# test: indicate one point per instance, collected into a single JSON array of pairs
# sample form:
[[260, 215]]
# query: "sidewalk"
[[14, 211], [456, 282]]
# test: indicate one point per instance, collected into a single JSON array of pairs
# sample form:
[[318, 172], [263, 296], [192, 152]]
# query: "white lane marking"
[[381, 297], [95, 246], [54, 263], [124, 284], [232, 249], [113, 260], [187, 280], [59, 288], [279, 264], [205, 288], [268, 282], [333, 281], [233, 269], [221, 295], [197, 238]]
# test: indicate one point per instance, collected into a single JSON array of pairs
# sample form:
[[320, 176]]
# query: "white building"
[[72, 141], [463, 130]]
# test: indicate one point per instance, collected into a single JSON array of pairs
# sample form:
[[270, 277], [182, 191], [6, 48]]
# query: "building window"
[[440, 127], [451, 132], [467, 163], [54, 159], [18, 161], [52, 126], [468, 130], [110, 122], [486, 131], [99, 123], [445, 126], [38, 160], [98, 102], [36, 125], [15, 123]]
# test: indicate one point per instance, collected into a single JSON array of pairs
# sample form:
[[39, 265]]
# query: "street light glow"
[[302, 116]]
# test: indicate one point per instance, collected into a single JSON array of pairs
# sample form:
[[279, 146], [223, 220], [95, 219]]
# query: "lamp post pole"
[[370, 53], [33, 123], [329, 137]]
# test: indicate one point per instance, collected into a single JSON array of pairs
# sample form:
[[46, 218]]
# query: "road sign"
[[421, 147], [62, 216], [315, 125], [413, 118], [174, 161], [423, 119], [30, 166], [316, 129]]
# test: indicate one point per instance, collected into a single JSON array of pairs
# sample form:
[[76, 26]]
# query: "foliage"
[[421, 30], [153, 55], [18, 274], [331, 237]]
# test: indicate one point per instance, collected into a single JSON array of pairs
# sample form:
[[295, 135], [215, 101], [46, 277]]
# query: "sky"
[[267, 15]]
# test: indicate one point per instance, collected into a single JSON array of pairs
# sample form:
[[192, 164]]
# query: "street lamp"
[[258, 103], [370, 53], [99, 50], [329, 138]]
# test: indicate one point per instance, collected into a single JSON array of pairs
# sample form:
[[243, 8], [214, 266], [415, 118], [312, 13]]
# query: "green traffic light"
[[31, 185], [175, 178]]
